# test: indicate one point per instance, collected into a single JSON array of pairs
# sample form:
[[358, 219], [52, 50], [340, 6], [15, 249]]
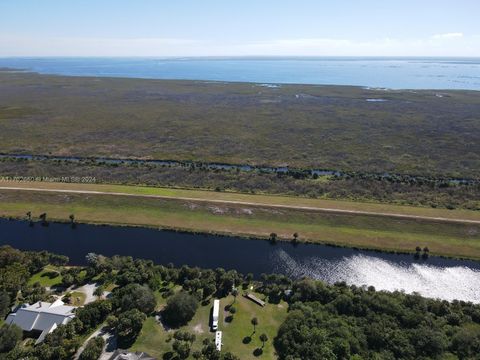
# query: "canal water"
[[435, 277], [210, 166]]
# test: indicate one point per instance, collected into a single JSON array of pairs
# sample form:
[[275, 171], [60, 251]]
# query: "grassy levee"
[[253, 199], [366, 231]]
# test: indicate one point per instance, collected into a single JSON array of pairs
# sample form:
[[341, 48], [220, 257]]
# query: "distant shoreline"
[[394, 73]]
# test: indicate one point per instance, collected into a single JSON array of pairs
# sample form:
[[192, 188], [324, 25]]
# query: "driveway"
[[110, 344], [88, 290]]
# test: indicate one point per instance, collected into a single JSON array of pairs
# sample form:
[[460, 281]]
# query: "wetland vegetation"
[[302, 126]]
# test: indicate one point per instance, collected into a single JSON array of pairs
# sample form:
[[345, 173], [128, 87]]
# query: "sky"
[[239, 28]]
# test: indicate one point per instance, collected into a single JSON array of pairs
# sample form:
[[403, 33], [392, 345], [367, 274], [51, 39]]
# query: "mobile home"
[[216, 310]]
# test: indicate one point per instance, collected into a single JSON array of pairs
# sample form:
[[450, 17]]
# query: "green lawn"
[[153, 337], [159, 294], [48, 277], [77, 298], [260, 199], [269, 318]]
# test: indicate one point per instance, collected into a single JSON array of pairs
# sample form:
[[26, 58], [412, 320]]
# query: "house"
[[41, 317]]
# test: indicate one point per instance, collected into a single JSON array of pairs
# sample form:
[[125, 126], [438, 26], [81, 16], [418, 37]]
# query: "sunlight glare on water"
[[446, 283]]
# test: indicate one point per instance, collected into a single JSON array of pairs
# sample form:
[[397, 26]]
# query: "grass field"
[[156, 341], [153, 337], [48, 277], [255, 199], [269, 318], [77, 298], [297, 125], [378, 232]]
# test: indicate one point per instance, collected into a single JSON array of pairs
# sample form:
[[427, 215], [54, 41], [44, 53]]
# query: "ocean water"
[[392, 73]]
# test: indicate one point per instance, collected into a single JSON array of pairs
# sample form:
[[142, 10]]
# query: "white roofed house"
[[42, 317]]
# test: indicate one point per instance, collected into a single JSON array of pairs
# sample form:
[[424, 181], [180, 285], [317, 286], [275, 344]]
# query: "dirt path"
[[245, 203]]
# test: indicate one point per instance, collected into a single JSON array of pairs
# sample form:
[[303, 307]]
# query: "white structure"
[[216, 310], [126, 355], [41, 316], [218, 340]]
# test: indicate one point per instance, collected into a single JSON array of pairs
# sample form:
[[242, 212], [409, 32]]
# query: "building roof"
[[45, 332], [41, 316], [216, 307], [255, 299], [218, 340]]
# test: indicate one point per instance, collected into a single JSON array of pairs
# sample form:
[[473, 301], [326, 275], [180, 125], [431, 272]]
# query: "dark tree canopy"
[[134, 296], [93, 350], [341, 322], [9, 336], [4, 304], [129, 325], [180, 309]]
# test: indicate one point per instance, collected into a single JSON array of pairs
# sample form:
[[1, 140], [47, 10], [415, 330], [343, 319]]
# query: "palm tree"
[[426, 250], [254, 323], [72, 221], [295, 238], [29, 217], [234, 293], [43, 217], [273, 238], [264, 339]]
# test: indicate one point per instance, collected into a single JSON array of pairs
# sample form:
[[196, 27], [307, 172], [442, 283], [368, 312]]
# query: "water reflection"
[[444, 282]]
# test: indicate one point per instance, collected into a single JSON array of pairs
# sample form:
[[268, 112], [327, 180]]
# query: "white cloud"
[[450, 44], [448, 36], [58, 46], [439, 46]]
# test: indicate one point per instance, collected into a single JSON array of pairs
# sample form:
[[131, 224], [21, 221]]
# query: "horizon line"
[[242, 56]]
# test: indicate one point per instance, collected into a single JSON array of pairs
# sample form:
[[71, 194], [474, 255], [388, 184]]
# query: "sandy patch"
[[217, 210], [198, 329], [192, 206], [245, 211]]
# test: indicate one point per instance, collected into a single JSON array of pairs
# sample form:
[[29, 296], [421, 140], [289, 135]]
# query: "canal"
[[434, 277]]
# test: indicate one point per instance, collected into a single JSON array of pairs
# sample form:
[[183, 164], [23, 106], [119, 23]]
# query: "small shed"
[[255, 299]]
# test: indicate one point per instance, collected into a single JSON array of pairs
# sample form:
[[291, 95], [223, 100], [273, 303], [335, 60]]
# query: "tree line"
[[324, 321]]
